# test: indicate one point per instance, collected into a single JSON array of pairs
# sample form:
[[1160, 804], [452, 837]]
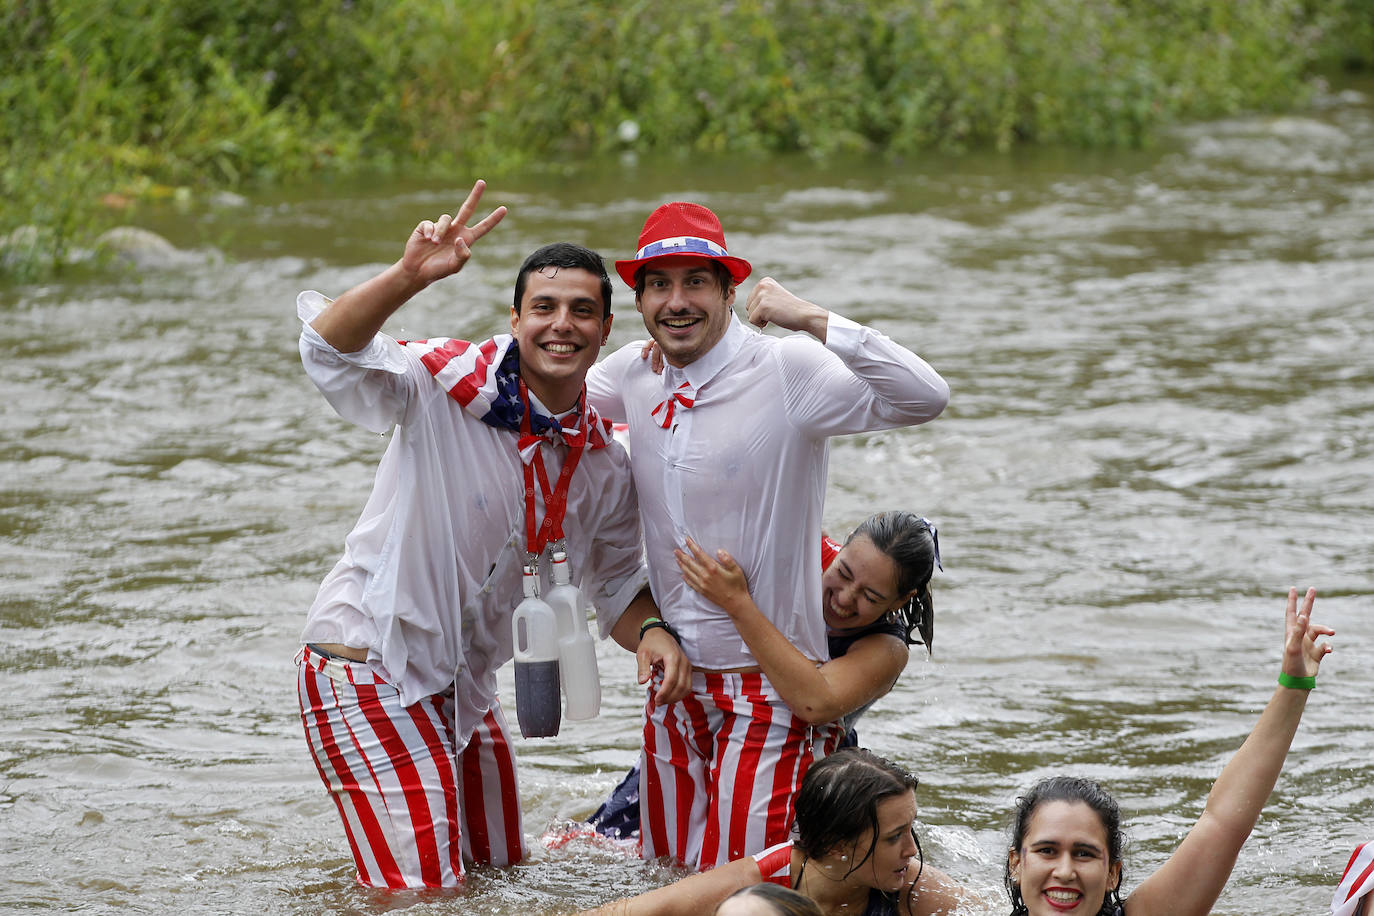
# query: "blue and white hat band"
[[683, 244]]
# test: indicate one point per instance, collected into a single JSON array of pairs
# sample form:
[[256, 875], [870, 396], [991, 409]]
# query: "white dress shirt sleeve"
[[604, 381], [860, 380], [616, 586], [371, 387]]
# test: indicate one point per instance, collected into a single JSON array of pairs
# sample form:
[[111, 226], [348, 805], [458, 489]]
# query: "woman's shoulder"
[[938, 894], [841, 643]]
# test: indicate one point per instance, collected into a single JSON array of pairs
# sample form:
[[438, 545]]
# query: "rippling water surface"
[[1163, 415]]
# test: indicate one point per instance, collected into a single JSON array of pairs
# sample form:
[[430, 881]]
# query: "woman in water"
[[876, 601], [854, 848], [1065, 853], [855, 851]]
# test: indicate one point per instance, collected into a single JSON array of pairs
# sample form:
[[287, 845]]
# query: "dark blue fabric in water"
[[618, 815]]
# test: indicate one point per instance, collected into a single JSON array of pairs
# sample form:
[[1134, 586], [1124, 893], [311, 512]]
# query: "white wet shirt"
[[431, 571], [744, 468]]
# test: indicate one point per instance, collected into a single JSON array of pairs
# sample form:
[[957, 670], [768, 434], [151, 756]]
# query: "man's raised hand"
[[770, 303], [440, 248]]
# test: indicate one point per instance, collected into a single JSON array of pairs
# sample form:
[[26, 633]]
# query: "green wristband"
[[1296, 683], [652, 622]]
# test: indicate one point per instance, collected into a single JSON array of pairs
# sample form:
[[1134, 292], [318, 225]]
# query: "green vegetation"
[[106, 102]]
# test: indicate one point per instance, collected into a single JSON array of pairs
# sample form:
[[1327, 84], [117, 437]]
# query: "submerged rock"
[[140, 247], [228, 200]]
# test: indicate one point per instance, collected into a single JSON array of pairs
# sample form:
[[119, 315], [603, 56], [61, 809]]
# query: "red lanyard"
[[537, 537]]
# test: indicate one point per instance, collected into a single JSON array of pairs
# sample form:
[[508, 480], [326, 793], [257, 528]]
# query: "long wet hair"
[[913, 545], [838, 801], [781, 900], [1070, 789]]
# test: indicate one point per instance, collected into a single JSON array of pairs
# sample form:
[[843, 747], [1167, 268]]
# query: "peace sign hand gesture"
[[434, 250], [1302, 654], [440, 248]]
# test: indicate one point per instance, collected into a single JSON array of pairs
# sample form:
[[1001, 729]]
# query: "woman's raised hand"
[[1302, 654]]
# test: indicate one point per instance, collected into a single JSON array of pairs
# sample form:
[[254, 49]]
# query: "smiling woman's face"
[[1063, 868], [859, 586]]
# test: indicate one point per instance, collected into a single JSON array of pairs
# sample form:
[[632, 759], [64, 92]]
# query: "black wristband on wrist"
[[652, 622]]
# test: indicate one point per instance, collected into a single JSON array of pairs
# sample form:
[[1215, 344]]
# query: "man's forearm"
[[909, 388], [354, 318], [626, 629]]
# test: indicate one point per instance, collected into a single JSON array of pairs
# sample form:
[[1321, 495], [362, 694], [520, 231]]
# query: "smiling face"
[[561, 329], [859, 586], [1063, 867], [685, 310]]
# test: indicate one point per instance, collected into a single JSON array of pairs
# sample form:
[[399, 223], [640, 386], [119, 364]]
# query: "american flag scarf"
[[485, 379]]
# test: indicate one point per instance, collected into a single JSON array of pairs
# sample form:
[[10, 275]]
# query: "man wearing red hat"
[[397, 678], [730, 450]]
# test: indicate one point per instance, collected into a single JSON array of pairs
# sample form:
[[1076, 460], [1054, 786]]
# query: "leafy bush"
[[105, 102]]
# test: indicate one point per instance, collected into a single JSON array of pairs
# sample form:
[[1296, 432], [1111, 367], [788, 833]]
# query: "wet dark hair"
[[911, 542], [838, 801], [781, 900], [565, 254], [723, 277], [1070, 789]]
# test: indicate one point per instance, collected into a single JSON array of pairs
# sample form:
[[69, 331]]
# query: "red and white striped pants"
[[720, 768], [416, 801]]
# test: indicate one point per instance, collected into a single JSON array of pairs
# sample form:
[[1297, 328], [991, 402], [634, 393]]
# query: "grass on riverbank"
[[107, 102]]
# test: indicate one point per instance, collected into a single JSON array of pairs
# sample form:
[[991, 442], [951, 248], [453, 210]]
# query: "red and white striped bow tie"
[[528, 444], [683, 395]]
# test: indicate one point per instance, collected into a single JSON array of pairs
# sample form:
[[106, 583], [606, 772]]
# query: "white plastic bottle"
[[576, 647], [534, 633]]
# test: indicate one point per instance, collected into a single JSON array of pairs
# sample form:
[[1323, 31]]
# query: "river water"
[[1162, 367]]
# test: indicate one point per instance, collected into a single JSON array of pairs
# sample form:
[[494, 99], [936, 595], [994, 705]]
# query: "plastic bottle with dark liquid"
[[534, 633]]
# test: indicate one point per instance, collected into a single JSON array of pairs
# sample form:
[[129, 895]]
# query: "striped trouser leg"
[[672, 777], [493, 833], [390, 769], [761, 752], [729, 760]]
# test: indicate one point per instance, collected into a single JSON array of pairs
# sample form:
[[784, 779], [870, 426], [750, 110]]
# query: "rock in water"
[[140, 247]]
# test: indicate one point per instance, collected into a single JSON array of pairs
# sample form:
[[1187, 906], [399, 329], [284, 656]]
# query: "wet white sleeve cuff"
[[843, 336], [615, 596], [381, 352]]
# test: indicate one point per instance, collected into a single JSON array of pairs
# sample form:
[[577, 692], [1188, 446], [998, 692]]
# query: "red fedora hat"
[[681, 228]]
